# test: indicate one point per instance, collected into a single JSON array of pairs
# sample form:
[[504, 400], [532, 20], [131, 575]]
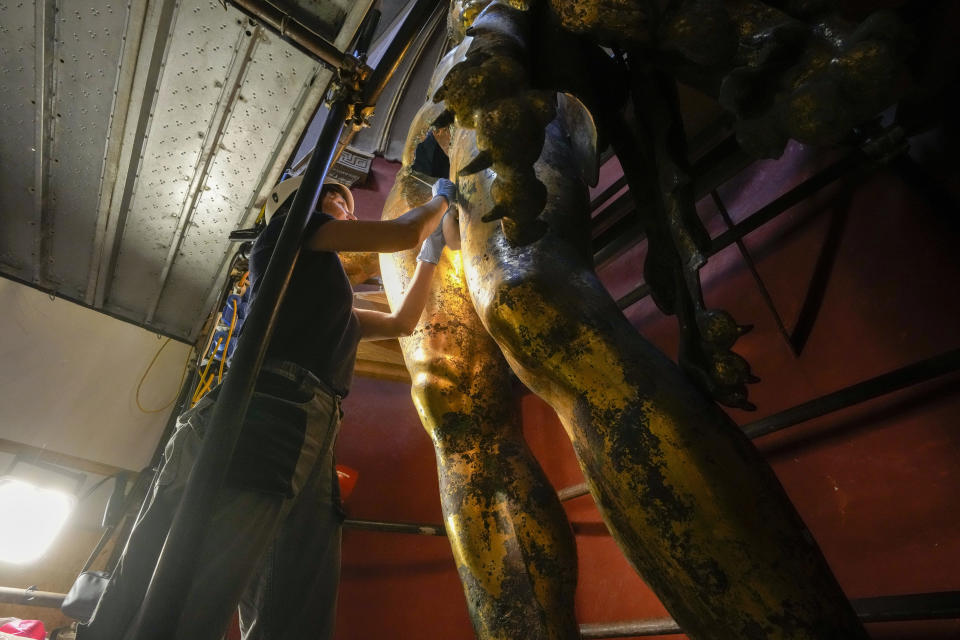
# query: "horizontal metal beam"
[[630, 628], [916, 373], [939, 605], [621, 220], [396, 527], [793, 197], [765, 214], [284, 24], [942, 605], [574, 491], [31, 597], [31, 452], [632, 297], [915, 606], [615, 229], [895, 380], [608, 193], [106, 312]]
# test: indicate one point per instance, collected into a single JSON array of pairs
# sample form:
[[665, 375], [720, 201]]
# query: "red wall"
[[393, 585], [875, 483]]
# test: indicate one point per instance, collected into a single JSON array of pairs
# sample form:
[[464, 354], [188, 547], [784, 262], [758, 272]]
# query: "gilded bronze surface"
[[360, 266], [513, 546], [686, 496], [689, 500]]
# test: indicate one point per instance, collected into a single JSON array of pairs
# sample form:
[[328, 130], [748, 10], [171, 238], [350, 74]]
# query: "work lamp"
[[34, 506]]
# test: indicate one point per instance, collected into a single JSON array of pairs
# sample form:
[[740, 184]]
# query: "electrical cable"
[[183, 377], [204, 381], [207, 385], [203, 384], [200, 390], [226, 348]]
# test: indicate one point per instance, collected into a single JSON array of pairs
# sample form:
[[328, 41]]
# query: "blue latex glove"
[[447, 189], [432, 247]]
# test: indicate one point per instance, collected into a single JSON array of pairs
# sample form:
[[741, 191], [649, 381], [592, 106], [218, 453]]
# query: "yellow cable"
[[201, 387], [196, 392], [144, 377], [193, 400], [233, 323], [202, 390]]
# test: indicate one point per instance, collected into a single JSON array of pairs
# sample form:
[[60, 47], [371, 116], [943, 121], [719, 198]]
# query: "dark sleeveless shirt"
[[316, 327]]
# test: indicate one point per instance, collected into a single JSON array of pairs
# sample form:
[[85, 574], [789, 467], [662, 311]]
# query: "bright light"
[[30, 519]]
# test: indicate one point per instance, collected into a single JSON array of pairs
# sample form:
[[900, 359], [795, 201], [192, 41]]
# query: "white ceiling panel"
[[74, 389]]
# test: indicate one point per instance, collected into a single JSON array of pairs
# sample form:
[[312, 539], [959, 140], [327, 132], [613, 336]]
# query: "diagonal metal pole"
[[171, 579], [174, 571], [912, 374], [416, 20], [752, 267], [839, 169]]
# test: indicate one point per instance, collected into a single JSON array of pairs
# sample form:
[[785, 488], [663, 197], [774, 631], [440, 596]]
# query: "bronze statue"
[[689, 500]]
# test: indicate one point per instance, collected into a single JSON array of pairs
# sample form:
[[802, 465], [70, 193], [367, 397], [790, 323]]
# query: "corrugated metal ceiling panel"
[[276, 84], [17, 125], [88, 43], [200, 74], [135, 137]]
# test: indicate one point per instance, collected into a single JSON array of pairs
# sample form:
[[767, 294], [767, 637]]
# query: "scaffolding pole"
[[170, 583]]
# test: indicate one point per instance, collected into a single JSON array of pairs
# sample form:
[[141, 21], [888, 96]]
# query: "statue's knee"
[[435, 380], [502, 302], [434, 369]]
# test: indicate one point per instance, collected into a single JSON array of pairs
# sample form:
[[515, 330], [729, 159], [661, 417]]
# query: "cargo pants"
[[273, 542]]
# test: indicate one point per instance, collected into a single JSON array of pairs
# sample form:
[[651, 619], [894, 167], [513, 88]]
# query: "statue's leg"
[[513, 546], [688, 498]]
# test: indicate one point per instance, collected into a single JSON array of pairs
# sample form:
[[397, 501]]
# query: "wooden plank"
[[61, 459], [382, 371]]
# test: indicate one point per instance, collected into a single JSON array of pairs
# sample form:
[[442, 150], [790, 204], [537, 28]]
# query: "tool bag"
[[82, 599]]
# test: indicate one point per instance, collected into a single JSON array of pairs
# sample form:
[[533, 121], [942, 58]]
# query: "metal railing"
[[942, 605]]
